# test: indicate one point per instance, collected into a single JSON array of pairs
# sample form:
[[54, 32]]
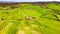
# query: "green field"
[[30, 19]]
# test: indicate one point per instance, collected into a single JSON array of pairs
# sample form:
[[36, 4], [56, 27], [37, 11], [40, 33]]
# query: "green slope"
[[30, 19]]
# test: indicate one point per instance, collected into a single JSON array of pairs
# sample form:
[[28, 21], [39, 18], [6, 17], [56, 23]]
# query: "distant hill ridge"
[[13, 3]]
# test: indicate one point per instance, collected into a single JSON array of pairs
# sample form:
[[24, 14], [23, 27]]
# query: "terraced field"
[[30, 19]]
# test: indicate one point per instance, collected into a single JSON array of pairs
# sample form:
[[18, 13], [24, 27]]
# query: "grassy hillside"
[[30, 19]]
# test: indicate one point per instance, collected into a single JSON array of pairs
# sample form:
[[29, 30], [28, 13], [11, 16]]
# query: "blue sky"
[[25, 0]]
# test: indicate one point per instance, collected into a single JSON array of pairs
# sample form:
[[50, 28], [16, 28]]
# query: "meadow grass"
[[30, 19]]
